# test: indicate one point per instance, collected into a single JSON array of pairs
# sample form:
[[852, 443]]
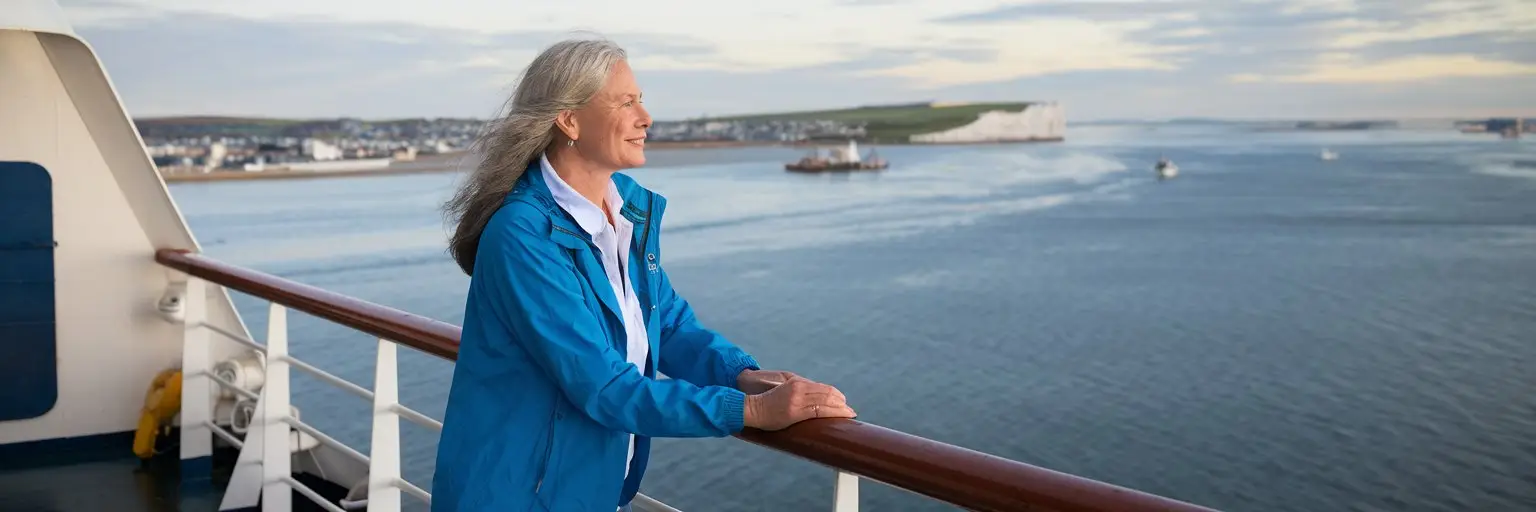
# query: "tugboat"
[[840, 159], [1165, 168]]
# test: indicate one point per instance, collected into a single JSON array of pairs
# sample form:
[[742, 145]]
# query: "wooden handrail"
[[440, 339], [955, 475], [949, 473]]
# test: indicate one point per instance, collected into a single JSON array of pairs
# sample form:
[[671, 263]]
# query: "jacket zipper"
[[549, 445], [650, 215], [645, 248]]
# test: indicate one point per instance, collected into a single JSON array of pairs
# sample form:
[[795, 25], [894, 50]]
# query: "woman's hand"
[[794, 401], [754, 382]]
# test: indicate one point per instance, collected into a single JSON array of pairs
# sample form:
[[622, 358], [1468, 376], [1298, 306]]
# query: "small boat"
[[1328, 154], [1166, 169], [840, 159]]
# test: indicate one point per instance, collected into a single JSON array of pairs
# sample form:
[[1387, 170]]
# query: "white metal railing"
[[266, 449], [265, 463], [952, 474]]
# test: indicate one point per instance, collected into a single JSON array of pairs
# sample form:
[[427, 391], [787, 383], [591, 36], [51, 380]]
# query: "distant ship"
[[1328, 154], [839, 159], [1165, 168]]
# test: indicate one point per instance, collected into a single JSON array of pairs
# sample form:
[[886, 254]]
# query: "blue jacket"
[[542, 399]]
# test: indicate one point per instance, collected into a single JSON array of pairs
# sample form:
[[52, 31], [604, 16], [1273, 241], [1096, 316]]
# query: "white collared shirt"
[[613, 241]]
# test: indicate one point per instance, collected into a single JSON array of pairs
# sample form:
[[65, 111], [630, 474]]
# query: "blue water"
[[1268, 331]]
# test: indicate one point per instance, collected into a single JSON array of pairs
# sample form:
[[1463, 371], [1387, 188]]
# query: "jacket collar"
[[589, 216], [640, 205]]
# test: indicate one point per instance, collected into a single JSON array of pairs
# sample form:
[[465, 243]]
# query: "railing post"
[[384, 452], [246, 482], [276, 496], [846, 493], [196, 388]]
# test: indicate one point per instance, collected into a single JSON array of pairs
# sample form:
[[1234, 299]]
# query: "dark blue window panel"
[[29, 369]]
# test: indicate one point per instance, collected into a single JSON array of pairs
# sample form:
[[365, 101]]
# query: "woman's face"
[[610, 130]]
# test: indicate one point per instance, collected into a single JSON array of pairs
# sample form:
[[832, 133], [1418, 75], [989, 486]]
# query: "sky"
[[1110, 59]]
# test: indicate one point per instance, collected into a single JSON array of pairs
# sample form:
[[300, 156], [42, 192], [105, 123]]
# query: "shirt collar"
[[589, 216]]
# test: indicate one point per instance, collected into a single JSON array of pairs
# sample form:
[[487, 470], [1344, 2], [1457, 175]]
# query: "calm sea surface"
[[1268, 331]]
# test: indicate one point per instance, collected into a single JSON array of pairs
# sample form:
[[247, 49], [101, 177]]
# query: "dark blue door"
[[29, 371]]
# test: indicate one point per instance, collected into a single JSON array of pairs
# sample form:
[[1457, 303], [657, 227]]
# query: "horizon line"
[[1529, 114]]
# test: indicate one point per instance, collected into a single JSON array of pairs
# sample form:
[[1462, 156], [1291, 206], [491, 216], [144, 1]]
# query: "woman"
[[570, 316]]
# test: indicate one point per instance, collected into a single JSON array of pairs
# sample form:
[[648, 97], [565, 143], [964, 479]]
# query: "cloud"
[[1106, 10], [1094, 46], [740, 36], [198, 63], [1484, 45], [107, 13], [1350, 41], [273, 68], [1186, 33], [1320, 6], [1110, 58], [1439, 20], [1343, 68]]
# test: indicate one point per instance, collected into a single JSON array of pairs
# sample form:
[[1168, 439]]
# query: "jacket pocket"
[[549, 446]]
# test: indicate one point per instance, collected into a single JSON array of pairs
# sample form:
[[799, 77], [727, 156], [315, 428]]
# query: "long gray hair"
[[564, 77]]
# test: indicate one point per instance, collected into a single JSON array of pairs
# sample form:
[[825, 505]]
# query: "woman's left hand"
[[754, 382]]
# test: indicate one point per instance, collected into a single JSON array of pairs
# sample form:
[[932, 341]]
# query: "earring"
[[571, 143]]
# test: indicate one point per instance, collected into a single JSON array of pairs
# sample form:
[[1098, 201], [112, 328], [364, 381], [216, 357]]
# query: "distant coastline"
[[191, 177], [205, 148], [454, 161], [443, 162]]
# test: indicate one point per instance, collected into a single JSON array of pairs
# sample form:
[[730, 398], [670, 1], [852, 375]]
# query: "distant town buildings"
[[1510, 128], [186, 145], [190, 145], [317, 149], [209, 144], [1345, 125]]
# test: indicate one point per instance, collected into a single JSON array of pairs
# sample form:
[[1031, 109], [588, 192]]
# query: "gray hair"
[[564, 77]]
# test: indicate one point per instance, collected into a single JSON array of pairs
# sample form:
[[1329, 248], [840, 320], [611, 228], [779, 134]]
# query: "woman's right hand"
[[794, 401]]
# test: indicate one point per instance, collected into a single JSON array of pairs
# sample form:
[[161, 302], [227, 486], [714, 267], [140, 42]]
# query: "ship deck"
[[101, 473]]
